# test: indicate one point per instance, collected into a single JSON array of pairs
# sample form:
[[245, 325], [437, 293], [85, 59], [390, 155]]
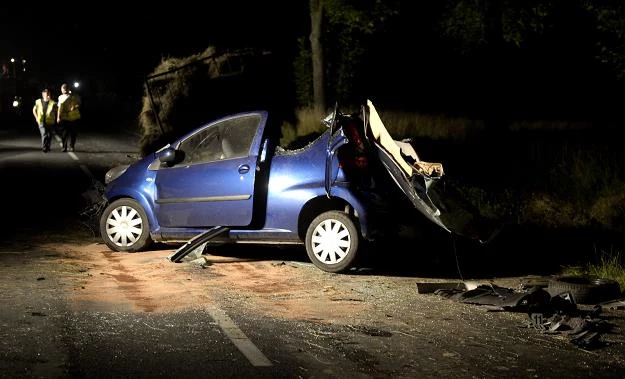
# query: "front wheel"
[[124, 226], [332, 241]]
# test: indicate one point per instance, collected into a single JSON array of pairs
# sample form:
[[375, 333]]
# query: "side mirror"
[[168, 156]]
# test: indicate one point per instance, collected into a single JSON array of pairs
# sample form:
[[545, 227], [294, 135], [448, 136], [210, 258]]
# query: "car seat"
[[227, 149]]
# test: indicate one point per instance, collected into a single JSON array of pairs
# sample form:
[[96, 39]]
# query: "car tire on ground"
[[332, 241], [124, 226], [585, 289]]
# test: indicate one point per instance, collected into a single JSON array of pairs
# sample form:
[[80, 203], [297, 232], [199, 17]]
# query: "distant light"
[[24, 69], [12, 60], [24, 61], [16, 103], [76, 84]]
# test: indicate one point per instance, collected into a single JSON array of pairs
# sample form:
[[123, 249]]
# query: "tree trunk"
[[496, 118], [316, 14]]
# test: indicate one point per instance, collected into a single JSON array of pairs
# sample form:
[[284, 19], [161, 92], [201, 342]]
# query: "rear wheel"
[[332, 241], [124, 226]]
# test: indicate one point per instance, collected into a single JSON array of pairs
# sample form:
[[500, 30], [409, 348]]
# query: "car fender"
[[358, 207], [129, 192], [340, 196]]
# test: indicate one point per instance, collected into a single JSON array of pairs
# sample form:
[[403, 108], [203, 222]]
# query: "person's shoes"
[[65, 149], [45, 150], [71, 149]]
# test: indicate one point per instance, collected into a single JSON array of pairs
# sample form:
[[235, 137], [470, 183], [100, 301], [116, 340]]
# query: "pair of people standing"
[[65, 115]]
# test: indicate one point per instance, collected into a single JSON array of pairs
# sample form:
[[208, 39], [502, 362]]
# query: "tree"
[[340, 30], [610, 21], [316, 15]]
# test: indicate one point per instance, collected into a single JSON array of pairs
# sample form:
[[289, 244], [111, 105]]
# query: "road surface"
[[70, 307]]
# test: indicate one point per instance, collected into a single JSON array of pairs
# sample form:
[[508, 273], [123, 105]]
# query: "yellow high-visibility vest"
[[49, 118], [69, 108]]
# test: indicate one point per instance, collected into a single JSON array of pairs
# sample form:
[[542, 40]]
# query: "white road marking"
[[238, 338], [84, 168]]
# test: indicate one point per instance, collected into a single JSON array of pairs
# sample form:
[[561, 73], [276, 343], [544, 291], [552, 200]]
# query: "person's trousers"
[[44, 130], [69, 131]]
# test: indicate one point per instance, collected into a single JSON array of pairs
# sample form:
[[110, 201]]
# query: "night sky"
[[109, 41], [117, 44]]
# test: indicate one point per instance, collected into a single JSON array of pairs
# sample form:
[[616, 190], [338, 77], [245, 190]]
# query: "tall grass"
[[437, 127], [399, 124], [609, 265], [308, 123]]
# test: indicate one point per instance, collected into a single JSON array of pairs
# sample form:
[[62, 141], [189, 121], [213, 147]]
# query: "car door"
[[213, 181]]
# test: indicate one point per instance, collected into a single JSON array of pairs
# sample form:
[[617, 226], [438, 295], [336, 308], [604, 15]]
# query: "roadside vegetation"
[[607, 265]]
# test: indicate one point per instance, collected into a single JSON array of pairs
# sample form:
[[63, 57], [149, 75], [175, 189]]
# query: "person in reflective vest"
[[45, 112], [68, 118]]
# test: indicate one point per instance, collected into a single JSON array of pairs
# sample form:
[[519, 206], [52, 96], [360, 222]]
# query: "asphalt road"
[[369, 325]]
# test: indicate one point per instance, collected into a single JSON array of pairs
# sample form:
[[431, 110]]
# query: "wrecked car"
[[230, 181]]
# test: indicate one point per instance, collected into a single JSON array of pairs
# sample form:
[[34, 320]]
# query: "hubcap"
[[124, 226], [331, 241]]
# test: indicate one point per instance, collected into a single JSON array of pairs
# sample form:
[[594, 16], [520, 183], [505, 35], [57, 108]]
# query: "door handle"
[[244, 169]]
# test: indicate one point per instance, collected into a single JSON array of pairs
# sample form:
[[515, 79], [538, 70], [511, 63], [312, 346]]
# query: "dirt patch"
[[149, 282]]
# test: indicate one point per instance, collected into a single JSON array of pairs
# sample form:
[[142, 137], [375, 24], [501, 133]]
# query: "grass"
[[610, 265]]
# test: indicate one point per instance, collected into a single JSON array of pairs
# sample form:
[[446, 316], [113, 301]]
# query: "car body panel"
[[212, 185]]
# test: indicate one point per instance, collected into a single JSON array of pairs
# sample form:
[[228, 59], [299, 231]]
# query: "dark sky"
[[125, 41]]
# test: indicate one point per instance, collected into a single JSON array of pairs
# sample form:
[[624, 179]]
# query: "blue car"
[[231, 177]]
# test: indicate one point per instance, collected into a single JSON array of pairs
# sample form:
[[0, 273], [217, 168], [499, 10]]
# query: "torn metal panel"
[[417, 179], [195, 242]]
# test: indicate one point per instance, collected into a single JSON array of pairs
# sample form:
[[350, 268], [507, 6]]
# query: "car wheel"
[[332, 241], [124, 226]]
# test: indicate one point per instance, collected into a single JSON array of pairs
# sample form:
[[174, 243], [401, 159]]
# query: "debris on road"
[[550, 313]]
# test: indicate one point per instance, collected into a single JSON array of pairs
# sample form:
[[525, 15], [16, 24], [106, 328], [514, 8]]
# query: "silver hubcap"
[[124, 226], [331, 241]]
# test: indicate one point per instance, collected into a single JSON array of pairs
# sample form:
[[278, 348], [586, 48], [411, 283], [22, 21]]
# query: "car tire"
[[585, 289], [332, 241], [124, 226]]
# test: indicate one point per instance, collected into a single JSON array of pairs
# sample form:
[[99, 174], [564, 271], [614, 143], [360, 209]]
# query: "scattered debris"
[[90, 215], [551, 313], [585, 289], [613, 304], [201, 262], [425, 287]]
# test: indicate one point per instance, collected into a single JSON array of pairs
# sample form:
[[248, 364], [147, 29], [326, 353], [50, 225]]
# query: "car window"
[[225, 140], [237, 135]]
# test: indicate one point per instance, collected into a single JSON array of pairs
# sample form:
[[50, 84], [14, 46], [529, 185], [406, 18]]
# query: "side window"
[[227, 139], [237, 135], [201, 147]]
